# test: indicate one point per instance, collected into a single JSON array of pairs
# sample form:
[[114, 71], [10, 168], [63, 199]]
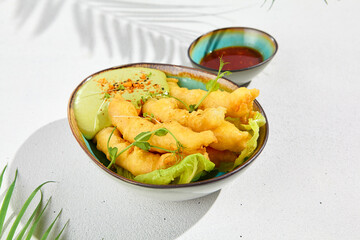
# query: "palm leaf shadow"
[[48, 14], [84, 24], [142, 31], [138, 30]]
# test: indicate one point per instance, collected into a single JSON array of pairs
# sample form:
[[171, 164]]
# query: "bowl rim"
[[234, 28], [74, 128]]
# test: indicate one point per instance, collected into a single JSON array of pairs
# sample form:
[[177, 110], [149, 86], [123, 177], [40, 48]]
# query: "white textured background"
[[305, 184]]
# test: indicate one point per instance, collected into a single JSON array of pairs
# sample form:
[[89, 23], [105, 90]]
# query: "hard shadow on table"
[[97, 208]]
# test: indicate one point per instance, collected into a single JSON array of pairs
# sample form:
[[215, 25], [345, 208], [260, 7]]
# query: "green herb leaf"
[[120, 87], [161, 132], [224, 74], [142, 145], [107, 96], [144, 136], [112, 150], [212, 85], [140, 141], [192, 107], [221, 65], [143, 99], [149, 117]]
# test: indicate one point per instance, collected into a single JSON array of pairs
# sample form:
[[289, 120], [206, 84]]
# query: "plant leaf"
[[212, 85], [161, 132], [142, 145], [22, 211], [62, 230], [192, 107], [2, 175], [113, 152], [6, 202], [226, 73], [46, 234], [142, 136], [22, 233], [33, 227]]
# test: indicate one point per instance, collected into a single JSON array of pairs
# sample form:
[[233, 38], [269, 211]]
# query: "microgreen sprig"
[[211, 86], [150, 117], [141, 141], [181, 101], [167, 95], [119, 88], [106, 96]]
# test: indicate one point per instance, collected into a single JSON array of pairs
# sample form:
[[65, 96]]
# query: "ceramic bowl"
[[265, 44], [190, 78]]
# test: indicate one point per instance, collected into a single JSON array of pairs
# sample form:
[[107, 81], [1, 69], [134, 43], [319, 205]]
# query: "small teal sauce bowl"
[[261, 41]]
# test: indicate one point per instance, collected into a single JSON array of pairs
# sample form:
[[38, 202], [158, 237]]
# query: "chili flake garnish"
[[141, 81]]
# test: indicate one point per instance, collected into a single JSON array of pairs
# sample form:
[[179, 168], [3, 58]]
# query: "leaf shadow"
[[47, 11], [97, 208], [143, 31], [132, 31]]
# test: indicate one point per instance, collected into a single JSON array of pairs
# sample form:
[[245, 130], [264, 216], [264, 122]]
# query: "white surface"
[[305, 184]]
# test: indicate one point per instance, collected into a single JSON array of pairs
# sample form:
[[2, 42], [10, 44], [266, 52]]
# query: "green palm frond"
[[47, 232], [6, 202], [33, 227], [22, 232], [30, 222]]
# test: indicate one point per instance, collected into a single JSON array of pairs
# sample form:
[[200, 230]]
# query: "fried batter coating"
[[124, 116], [218, 157], [167, 109], [238, 104], [230, 138], [135, 160]]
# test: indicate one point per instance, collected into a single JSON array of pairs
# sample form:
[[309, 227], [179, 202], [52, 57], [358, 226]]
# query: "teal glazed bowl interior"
[[192, 79], [252, 38]]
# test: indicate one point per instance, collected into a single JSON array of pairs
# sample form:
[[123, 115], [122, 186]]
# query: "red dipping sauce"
[[236, 57]]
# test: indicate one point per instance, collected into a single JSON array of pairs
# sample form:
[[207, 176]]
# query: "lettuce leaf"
[[189, 169], [258, 118], [254, 126], [123, 172]]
